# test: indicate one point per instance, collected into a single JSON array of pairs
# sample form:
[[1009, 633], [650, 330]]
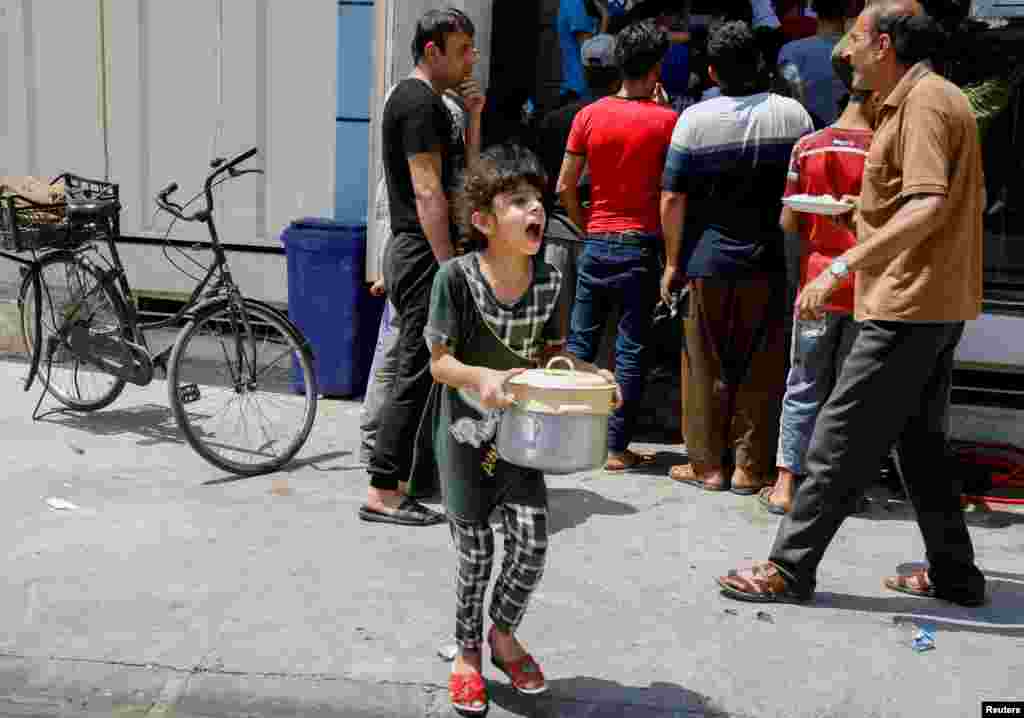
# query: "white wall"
[[166, 105]]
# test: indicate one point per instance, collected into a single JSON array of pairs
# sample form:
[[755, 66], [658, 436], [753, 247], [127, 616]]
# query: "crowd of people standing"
[[667, 201]]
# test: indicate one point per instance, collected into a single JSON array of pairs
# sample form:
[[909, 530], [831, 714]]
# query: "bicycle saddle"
[[91, 209]]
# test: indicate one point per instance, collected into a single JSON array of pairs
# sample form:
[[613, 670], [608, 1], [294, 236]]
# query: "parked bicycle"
[[240, 377]]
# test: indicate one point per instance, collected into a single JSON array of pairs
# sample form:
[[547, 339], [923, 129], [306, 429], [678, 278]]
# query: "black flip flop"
[[409, 513]]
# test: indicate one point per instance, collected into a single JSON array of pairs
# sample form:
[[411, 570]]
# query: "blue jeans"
[[815, 365], [618, 270]]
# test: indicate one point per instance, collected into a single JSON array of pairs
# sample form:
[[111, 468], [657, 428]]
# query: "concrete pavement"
[[172, 588]]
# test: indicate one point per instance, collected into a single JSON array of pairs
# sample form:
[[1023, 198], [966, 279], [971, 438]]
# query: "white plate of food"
[[817, 204]]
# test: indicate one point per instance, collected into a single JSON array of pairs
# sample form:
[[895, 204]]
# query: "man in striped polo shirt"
[[721, 199]]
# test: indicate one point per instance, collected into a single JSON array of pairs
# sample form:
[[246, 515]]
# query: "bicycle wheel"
[[231, 387], [70, 290]]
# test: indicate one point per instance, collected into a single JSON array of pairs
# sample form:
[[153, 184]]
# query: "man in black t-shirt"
[[423, 153]]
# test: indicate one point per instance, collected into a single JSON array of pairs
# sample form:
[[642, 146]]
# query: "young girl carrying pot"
[[494, 312]]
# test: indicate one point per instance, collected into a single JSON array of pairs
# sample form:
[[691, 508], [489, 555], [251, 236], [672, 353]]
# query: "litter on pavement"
[[59, 504], [924, 639]]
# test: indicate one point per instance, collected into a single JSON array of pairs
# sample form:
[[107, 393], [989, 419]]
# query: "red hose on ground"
[[1007, 473]]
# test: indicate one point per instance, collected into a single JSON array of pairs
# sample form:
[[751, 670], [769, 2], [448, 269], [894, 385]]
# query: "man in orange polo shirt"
[[918, 265]]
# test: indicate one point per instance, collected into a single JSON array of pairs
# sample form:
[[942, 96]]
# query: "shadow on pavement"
[[663, 461], [315, 462], [600, 698], [153, 423], [570, 508], [1002, 615]]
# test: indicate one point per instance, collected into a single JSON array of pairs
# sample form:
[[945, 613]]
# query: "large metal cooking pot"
[[559, 421]]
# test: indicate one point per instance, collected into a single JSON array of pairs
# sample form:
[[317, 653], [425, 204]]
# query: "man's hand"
[[492, 388], [673, 280], [848, 220], [377, 288], [660, 96], [610, 378], [811, 302], [472, 95]]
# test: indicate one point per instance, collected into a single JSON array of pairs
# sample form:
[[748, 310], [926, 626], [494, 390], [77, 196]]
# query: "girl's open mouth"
[[533, 230]]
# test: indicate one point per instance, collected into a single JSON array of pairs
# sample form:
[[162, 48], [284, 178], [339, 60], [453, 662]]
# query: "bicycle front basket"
[[26, 225]]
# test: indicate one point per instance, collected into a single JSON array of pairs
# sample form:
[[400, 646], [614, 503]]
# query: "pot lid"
[[559, 379]]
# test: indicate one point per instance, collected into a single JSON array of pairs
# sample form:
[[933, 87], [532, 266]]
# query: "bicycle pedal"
[[189, 393]]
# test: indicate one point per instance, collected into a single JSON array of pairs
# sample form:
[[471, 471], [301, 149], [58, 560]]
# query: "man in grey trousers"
[[918, 265]]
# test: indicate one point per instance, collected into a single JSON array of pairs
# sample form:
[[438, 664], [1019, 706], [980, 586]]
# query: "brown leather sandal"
[[915, 584], [761, 583], [744, 483], [686, 474], [628, 460], [919, 584]]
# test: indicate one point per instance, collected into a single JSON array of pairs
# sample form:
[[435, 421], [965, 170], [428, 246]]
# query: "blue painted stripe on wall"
[[352, 172], [355, 60], [355, 73]]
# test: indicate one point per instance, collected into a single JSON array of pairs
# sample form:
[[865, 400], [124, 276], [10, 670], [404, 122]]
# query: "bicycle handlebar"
[[205, 213]]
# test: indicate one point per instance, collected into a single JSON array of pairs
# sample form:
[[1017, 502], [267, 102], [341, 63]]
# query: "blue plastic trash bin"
[[329, 302]]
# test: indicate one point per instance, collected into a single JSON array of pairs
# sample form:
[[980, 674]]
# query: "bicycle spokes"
[[66, 295], [233, 390]]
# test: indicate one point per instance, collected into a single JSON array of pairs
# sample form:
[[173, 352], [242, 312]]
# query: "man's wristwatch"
[[839, 268]]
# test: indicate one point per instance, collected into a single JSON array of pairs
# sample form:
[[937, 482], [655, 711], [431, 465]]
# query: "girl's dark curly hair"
[[501, 168]]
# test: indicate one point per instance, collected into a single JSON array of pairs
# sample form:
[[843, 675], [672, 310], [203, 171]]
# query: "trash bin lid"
[[326, 223], [311, 233]]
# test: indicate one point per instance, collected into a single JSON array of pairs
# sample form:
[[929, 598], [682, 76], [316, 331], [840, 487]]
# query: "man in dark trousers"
[[918, 265], [423, 151]]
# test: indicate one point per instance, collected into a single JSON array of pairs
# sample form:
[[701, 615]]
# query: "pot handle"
[[574, 409], [567, 360]]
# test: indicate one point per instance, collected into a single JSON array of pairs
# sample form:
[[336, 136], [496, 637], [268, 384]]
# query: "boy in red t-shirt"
[[623, 139], [827, 162]]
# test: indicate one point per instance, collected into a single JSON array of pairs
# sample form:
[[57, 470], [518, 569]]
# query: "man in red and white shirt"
[[623, 139], [827, 162]]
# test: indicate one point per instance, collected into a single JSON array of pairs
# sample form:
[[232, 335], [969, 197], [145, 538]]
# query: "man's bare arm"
[[673, 215], [912, 224], [789, 221], [431, 203], [568, 187]]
